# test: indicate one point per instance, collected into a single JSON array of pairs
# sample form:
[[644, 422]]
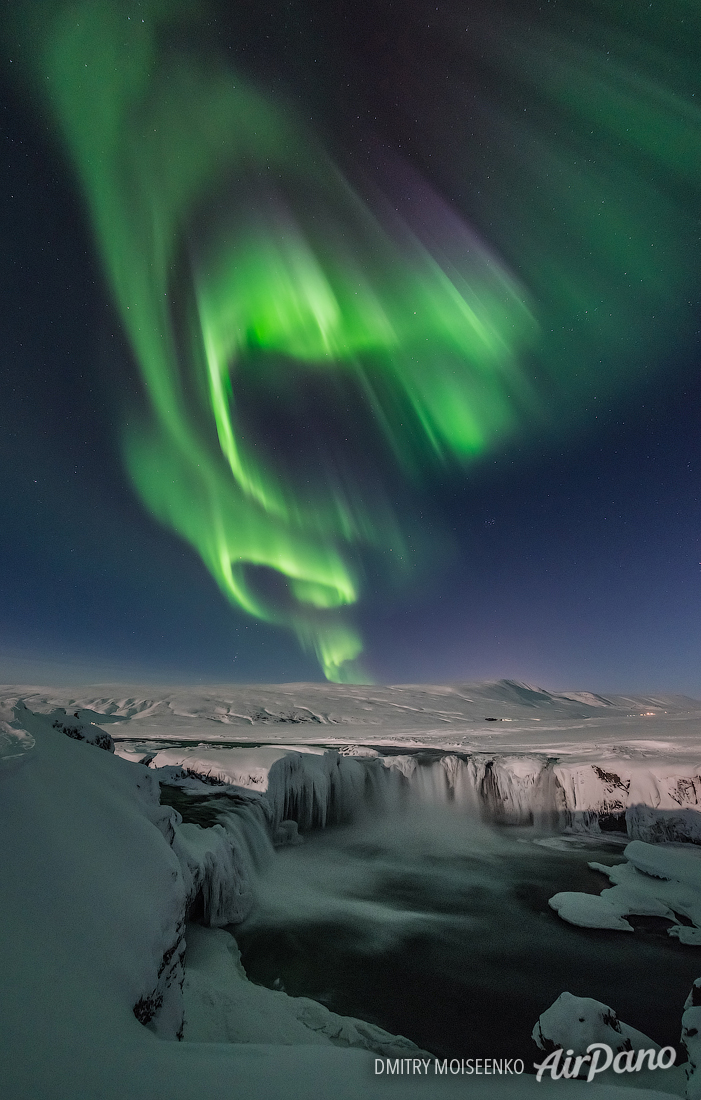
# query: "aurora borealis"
[[341, 334]]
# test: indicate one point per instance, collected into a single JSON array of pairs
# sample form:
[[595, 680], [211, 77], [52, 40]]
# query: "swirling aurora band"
[[152, 139], [227, 234]]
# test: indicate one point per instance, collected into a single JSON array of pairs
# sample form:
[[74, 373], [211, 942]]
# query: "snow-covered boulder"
[[691, 1041], [573, 1023]]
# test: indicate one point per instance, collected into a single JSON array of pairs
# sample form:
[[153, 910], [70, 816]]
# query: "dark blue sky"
[[572, 558]]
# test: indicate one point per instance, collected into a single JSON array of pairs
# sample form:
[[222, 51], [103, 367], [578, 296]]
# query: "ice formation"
[[218, 862]]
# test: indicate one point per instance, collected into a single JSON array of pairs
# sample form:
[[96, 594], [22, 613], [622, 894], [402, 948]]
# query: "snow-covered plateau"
[[125, 813]]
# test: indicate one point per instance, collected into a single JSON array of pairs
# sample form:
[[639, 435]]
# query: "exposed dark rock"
[[81, 731], [146, 1008], [161, 1009], [611, 779]]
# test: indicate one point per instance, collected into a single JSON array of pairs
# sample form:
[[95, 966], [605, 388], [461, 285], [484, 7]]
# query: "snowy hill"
[[451, 714]]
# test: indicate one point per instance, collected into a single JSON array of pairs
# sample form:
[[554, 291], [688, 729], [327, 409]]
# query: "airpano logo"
[[601, 1057], [481, 1067]]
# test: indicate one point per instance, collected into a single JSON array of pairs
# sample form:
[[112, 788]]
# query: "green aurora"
[[231, 241]]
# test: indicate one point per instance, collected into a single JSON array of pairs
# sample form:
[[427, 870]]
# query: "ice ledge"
[[655, 880]]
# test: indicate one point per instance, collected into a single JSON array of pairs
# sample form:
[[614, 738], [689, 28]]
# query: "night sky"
[[430, 334]]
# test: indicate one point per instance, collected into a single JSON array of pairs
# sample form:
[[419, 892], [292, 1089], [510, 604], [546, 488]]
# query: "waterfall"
[[314, 788], [317, 789], [505, 790], [220, 862]]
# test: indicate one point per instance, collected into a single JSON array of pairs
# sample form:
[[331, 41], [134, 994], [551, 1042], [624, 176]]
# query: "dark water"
[[437, 928]]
